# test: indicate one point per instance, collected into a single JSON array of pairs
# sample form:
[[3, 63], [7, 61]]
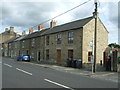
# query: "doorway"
[[19, 52], [27, 52], [58, 55], [38, 56]]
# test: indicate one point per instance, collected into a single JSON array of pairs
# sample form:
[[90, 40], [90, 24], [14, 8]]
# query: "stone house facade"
[[70, 40], [77, 44], [7, 36], [15, 47], [33, 44]]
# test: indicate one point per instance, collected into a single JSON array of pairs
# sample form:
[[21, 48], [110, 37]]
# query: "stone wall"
[[102, 40], [65, 46]]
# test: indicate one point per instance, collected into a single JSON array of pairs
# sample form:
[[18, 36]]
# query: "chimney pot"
[[6, 29], [17, 35], [11, 29], [40, 27], [52, 23], [24, 33], [31, 30]]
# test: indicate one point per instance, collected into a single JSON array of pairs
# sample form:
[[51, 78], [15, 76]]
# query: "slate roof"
[[69, 26], [63, 27], [35, 34], [20, 38]]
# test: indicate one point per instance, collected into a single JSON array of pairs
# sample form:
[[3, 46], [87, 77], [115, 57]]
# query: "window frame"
[[23, 42], [70, 37], [59, 38], [47, 40], [89, 56], [33, 42]]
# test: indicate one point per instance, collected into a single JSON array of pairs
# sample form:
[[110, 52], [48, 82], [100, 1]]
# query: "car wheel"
[[17, 59]]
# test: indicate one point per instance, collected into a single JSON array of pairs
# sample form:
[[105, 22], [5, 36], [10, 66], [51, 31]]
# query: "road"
[[18, 74]]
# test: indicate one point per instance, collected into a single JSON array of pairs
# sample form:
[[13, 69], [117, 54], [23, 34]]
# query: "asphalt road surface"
[[18, 74]]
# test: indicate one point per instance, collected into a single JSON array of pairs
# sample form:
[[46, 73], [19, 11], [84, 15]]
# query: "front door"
[[58, 56], [27, 52], [19, 52], [38, 55]]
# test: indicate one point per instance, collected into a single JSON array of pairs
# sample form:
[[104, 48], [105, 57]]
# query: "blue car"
[[23, 58]]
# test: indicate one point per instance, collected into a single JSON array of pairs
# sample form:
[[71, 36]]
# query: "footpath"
[[103, 75]]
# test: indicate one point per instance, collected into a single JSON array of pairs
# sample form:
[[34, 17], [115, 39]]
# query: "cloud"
[[27, 14], [108, 13], [23, 15]]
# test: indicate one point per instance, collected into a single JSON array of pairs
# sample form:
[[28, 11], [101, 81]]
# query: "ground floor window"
[[32, 54], [47, 54], [15, 53], [70, 53], [89, 56]]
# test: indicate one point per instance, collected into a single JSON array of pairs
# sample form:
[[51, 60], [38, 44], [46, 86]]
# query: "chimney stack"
[[11, 29], [17, 35], [6, 29], [40, 27], [23, 33], [52, 23], [31, 30]]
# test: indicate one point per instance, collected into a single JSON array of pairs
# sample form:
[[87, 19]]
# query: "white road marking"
[[58, 84], [7, 65], [24, 71], [34, 64], [104, 74], [107, 74]]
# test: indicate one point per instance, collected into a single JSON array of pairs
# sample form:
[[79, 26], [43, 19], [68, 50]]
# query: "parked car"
[[23, 58]]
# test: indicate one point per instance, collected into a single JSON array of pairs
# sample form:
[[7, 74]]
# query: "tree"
[[114, 45]]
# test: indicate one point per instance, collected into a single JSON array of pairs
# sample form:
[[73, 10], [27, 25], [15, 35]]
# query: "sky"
[[24, 14]]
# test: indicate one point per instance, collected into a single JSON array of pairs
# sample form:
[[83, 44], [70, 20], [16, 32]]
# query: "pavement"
[[19, 74], [99, 74]]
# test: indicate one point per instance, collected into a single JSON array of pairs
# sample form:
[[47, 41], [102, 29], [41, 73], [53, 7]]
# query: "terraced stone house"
[[7, 36], [70, 40]]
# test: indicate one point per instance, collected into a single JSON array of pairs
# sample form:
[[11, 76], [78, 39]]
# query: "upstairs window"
[[59, 38], [70, 37], [47, 40], [23, 42], [33, 42], [9, 46], [15, 45]]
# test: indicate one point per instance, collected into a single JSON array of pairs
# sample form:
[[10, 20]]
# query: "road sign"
[[111, 51], [91, 43], [92, 59]]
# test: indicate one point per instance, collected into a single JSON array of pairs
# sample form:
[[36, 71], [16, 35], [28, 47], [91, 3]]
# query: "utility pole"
[[95, 36]]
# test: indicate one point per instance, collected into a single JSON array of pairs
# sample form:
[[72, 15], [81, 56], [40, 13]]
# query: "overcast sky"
[[25, 14]]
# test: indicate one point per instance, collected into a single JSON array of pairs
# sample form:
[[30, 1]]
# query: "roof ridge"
[[75, 21]]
